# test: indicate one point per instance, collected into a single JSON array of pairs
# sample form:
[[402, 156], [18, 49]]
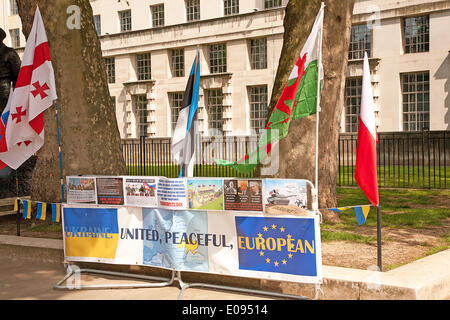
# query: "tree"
[[297, 149], [90, 139]]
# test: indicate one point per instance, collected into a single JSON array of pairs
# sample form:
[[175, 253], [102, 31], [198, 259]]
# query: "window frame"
[[419, 46], [230, 7], [215, 109], [140, 105], [110, 66], [410, 100], [125, 27], [177, 62], [258, 108], [192, 10], [352, 110], [144, 66], [358, 53], [158, 19], [256, 57], [217, 58]]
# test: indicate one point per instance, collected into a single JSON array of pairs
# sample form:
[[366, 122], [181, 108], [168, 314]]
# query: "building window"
[[14, 9], [257, 97], [353, 87], [15, 38], [272, 4], [125, 20], [230, 7], [98, 24], [113, 103], [258, 53], [417, 34], [360, 42], [217, 58], [143, 66], [215, 109], [176, 103], [110, 64], [192, 10], [157, 15], [140, 107], [177, 62], [416, 101]]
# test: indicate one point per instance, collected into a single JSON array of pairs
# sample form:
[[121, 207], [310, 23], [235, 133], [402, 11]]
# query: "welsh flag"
[[298, 100], [22, 128]]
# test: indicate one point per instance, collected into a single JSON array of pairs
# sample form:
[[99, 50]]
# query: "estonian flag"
[[183, 146]]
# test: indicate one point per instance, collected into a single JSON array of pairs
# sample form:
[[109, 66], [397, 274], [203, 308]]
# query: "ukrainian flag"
[[41, 211], [56, 212], [361, 212], [91, 232], [26, 209]]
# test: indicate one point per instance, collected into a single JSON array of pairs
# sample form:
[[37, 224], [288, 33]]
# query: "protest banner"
[[242, 244]]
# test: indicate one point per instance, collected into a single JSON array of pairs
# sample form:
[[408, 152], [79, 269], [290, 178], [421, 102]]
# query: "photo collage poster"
[[273, 196]]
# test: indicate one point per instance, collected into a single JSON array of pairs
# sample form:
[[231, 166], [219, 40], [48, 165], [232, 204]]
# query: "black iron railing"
[[404, 159]]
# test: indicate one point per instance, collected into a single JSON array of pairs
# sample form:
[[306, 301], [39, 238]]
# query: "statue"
[[9, 70]]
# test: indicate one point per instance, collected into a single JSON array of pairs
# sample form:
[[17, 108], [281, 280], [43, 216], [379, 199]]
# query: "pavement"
[[30, 267]]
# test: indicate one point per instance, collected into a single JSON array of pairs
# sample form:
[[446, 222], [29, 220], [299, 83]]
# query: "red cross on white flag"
[[35, 91]]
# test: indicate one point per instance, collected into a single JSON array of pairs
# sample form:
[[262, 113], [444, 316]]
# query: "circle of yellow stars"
[[261, 253]]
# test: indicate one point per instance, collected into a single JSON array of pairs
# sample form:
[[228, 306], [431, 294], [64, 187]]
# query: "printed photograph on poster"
[[285, 196], [81, 190], [141, 191], [243, 194], [172, 193], [205, 194], [110, 190]]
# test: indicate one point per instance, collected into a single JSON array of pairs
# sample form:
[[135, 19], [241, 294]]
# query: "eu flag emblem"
[[282, 245]]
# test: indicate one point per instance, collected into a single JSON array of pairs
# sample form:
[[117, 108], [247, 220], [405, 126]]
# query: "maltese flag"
[[366, 148], [35, 91]]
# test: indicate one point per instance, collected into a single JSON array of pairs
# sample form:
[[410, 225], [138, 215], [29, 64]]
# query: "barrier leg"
[[184, 286], [77, 271]]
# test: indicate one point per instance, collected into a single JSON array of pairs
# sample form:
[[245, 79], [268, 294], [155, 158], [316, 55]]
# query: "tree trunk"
[[90, 140], [297, 149]]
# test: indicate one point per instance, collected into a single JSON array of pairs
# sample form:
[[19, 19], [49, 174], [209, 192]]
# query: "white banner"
[[253, 245]]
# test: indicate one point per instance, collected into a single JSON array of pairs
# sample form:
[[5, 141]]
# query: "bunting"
[[361, 212], [41, 212]]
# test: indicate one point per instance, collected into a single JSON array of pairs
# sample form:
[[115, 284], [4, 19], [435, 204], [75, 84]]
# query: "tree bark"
[[297, 149], [90, 139]]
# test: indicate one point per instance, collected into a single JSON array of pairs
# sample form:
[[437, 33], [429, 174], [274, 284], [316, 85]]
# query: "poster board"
[[236, 243]]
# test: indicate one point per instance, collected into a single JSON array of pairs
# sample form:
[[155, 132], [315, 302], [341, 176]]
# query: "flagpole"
[[380, 263], [318, 109], [60, 158]]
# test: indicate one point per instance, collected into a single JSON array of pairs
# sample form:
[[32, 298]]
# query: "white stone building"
[[149, 47]]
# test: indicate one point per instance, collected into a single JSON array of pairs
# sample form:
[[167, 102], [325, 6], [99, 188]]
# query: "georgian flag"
[[366, 148], [34, 92]]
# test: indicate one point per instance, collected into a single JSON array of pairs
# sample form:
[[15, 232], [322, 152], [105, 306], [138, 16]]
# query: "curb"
[[424, 279]]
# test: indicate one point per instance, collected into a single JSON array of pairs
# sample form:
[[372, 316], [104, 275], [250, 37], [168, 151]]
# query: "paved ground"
[[35, 280]]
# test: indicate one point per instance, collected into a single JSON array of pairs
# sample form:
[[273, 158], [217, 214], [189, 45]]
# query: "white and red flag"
[[366, 149], [35, 91]]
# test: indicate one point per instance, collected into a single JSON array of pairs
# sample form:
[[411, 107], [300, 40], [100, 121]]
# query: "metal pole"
[[379, 260], [18, 218], [59, 150], [318, 109]]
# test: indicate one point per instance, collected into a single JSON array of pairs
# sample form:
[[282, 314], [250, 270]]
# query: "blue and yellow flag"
[[56, 212], [361, 212], [26, 209], [16, 205], [41, 211]]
